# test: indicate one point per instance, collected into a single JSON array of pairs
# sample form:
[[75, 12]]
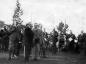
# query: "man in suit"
[[28, 40]]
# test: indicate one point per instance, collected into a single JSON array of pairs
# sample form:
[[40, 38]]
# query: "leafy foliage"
[[17, 14], [2, 24], [62, 28]]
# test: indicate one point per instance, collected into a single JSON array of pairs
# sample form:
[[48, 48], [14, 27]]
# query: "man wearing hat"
[[28, 40]]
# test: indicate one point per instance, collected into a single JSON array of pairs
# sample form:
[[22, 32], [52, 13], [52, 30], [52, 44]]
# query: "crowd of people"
[[32, 37]]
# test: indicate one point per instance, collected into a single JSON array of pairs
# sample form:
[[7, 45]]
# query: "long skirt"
[[35, 51]]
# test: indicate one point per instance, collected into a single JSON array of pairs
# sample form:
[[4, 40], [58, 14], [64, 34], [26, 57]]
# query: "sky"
[[48, 12]]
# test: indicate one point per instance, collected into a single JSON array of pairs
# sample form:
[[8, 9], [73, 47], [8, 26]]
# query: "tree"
[[65, 28], [2, 24], [17, 14], [62, 28]]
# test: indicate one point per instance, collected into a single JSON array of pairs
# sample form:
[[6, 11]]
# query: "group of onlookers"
[[69, 42], [33, 38]]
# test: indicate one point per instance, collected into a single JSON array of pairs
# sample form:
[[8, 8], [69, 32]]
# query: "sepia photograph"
[[42, 31]]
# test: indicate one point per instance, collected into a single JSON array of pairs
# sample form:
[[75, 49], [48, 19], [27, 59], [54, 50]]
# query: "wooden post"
[[24, 51]]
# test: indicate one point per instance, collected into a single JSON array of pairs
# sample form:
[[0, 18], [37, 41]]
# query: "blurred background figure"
[[36, 41]]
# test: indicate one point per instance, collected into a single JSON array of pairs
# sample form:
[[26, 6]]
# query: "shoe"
[[15, 56], [35, 59], [38, 57], [12, 57], [9, 58], [26, 60], [44, 56]]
